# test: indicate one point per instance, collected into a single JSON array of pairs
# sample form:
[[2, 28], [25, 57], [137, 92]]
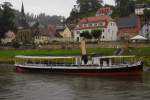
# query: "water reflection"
[[28, 86]]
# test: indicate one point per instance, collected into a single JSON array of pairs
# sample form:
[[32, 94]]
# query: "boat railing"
[[79, 65], [67, 65]]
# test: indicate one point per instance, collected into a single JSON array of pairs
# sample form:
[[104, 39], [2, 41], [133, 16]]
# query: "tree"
[[74, 15], [96, 34], [88, 7], [124, 7], [127, 7], [86, 35], [41, 18], [147, 14], [6, 19], [143, 1], [84, 8]]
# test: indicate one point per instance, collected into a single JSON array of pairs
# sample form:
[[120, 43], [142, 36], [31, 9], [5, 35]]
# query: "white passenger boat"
[[104, 65]]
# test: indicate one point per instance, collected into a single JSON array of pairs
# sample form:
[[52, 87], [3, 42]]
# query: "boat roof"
[[132, 56], [67, 57], [44, 57]]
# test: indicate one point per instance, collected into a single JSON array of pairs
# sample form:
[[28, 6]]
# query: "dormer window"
[[84, 25], [101, 24]]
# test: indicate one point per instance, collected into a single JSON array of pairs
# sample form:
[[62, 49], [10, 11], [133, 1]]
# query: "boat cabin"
[[113, 60]]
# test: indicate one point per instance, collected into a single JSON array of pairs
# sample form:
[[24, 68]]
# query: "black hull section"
[[134, 70]]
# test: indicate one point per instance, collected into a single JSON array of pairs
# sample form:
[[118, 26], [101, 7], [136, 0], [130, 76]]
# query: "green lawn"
[[138, 51], [7, 56], [141, 53], [60, 52]]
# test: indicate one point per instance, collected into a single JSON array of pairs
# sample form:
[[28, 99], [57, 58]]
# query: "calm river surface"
[[31, 86]]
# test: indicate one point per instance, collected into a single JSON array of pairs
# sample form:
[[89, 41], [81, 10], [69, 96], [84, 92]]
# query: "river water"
[[31, 86]]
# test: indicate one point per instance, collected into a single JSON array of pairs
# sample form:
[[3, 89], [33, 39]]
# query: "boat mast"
[[84, 52]]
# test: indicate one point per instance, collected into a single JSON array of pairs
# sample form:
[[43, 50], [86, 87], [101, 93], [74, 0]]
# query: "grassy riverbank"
[[8, 55], [141, 53]]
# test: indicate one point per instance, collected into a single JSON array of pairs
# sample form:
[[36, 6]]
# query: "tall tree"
[[143, 1], [88, 7], [124, 7], [84, 8], [6, 18]]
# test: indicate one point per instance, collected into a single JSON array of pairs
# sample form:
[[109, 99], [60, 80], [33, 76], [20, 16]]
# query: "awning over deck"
[[45, 57]]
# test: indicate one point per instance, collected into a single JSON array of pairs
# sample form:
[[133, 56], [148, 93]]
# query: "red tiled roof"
[[81, 28], [95, 19]]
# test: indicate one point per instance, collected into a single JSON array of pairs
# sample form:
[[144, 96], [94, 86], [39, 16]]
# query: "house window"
[[84, 25], [103, 30], [78, 32], [122, 38], [101, 24], [103, 37], [78, 39], [95, 24], [80, 25], [87, 25], [90, 25], [112, 24]]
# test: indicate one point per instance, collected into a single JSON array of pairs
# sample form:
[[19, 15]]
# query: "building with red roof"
[[105, 23], [128, 27]]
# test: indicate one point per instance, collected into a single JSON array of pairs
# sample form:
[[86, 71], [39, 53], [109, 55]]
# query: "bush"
[[16, 44]]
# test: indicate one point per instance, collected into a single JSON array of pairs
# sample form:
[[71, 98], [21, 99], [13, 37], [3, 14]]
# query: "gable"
[[67, 33]]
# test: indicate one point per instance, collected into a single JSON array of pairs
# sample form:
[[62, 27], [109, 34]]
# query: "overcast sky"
[[50, 7]]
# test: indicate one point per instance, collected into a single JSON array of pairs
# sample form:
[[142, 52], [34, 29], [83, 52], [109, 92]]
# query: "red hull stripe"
[[112, 73]]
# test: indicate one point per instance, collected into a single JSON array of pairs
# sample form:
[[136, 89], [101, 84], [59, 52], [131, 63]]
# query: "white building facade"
[[145, 31], [139, 11], [110, 32]]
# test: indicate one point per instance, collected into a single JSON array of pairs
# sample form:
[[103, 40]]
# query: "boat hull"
[[133, 70]]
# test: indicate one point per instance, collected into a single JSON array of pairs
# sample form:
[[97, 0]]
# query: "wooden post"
[[83, 47], [84, 53]]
